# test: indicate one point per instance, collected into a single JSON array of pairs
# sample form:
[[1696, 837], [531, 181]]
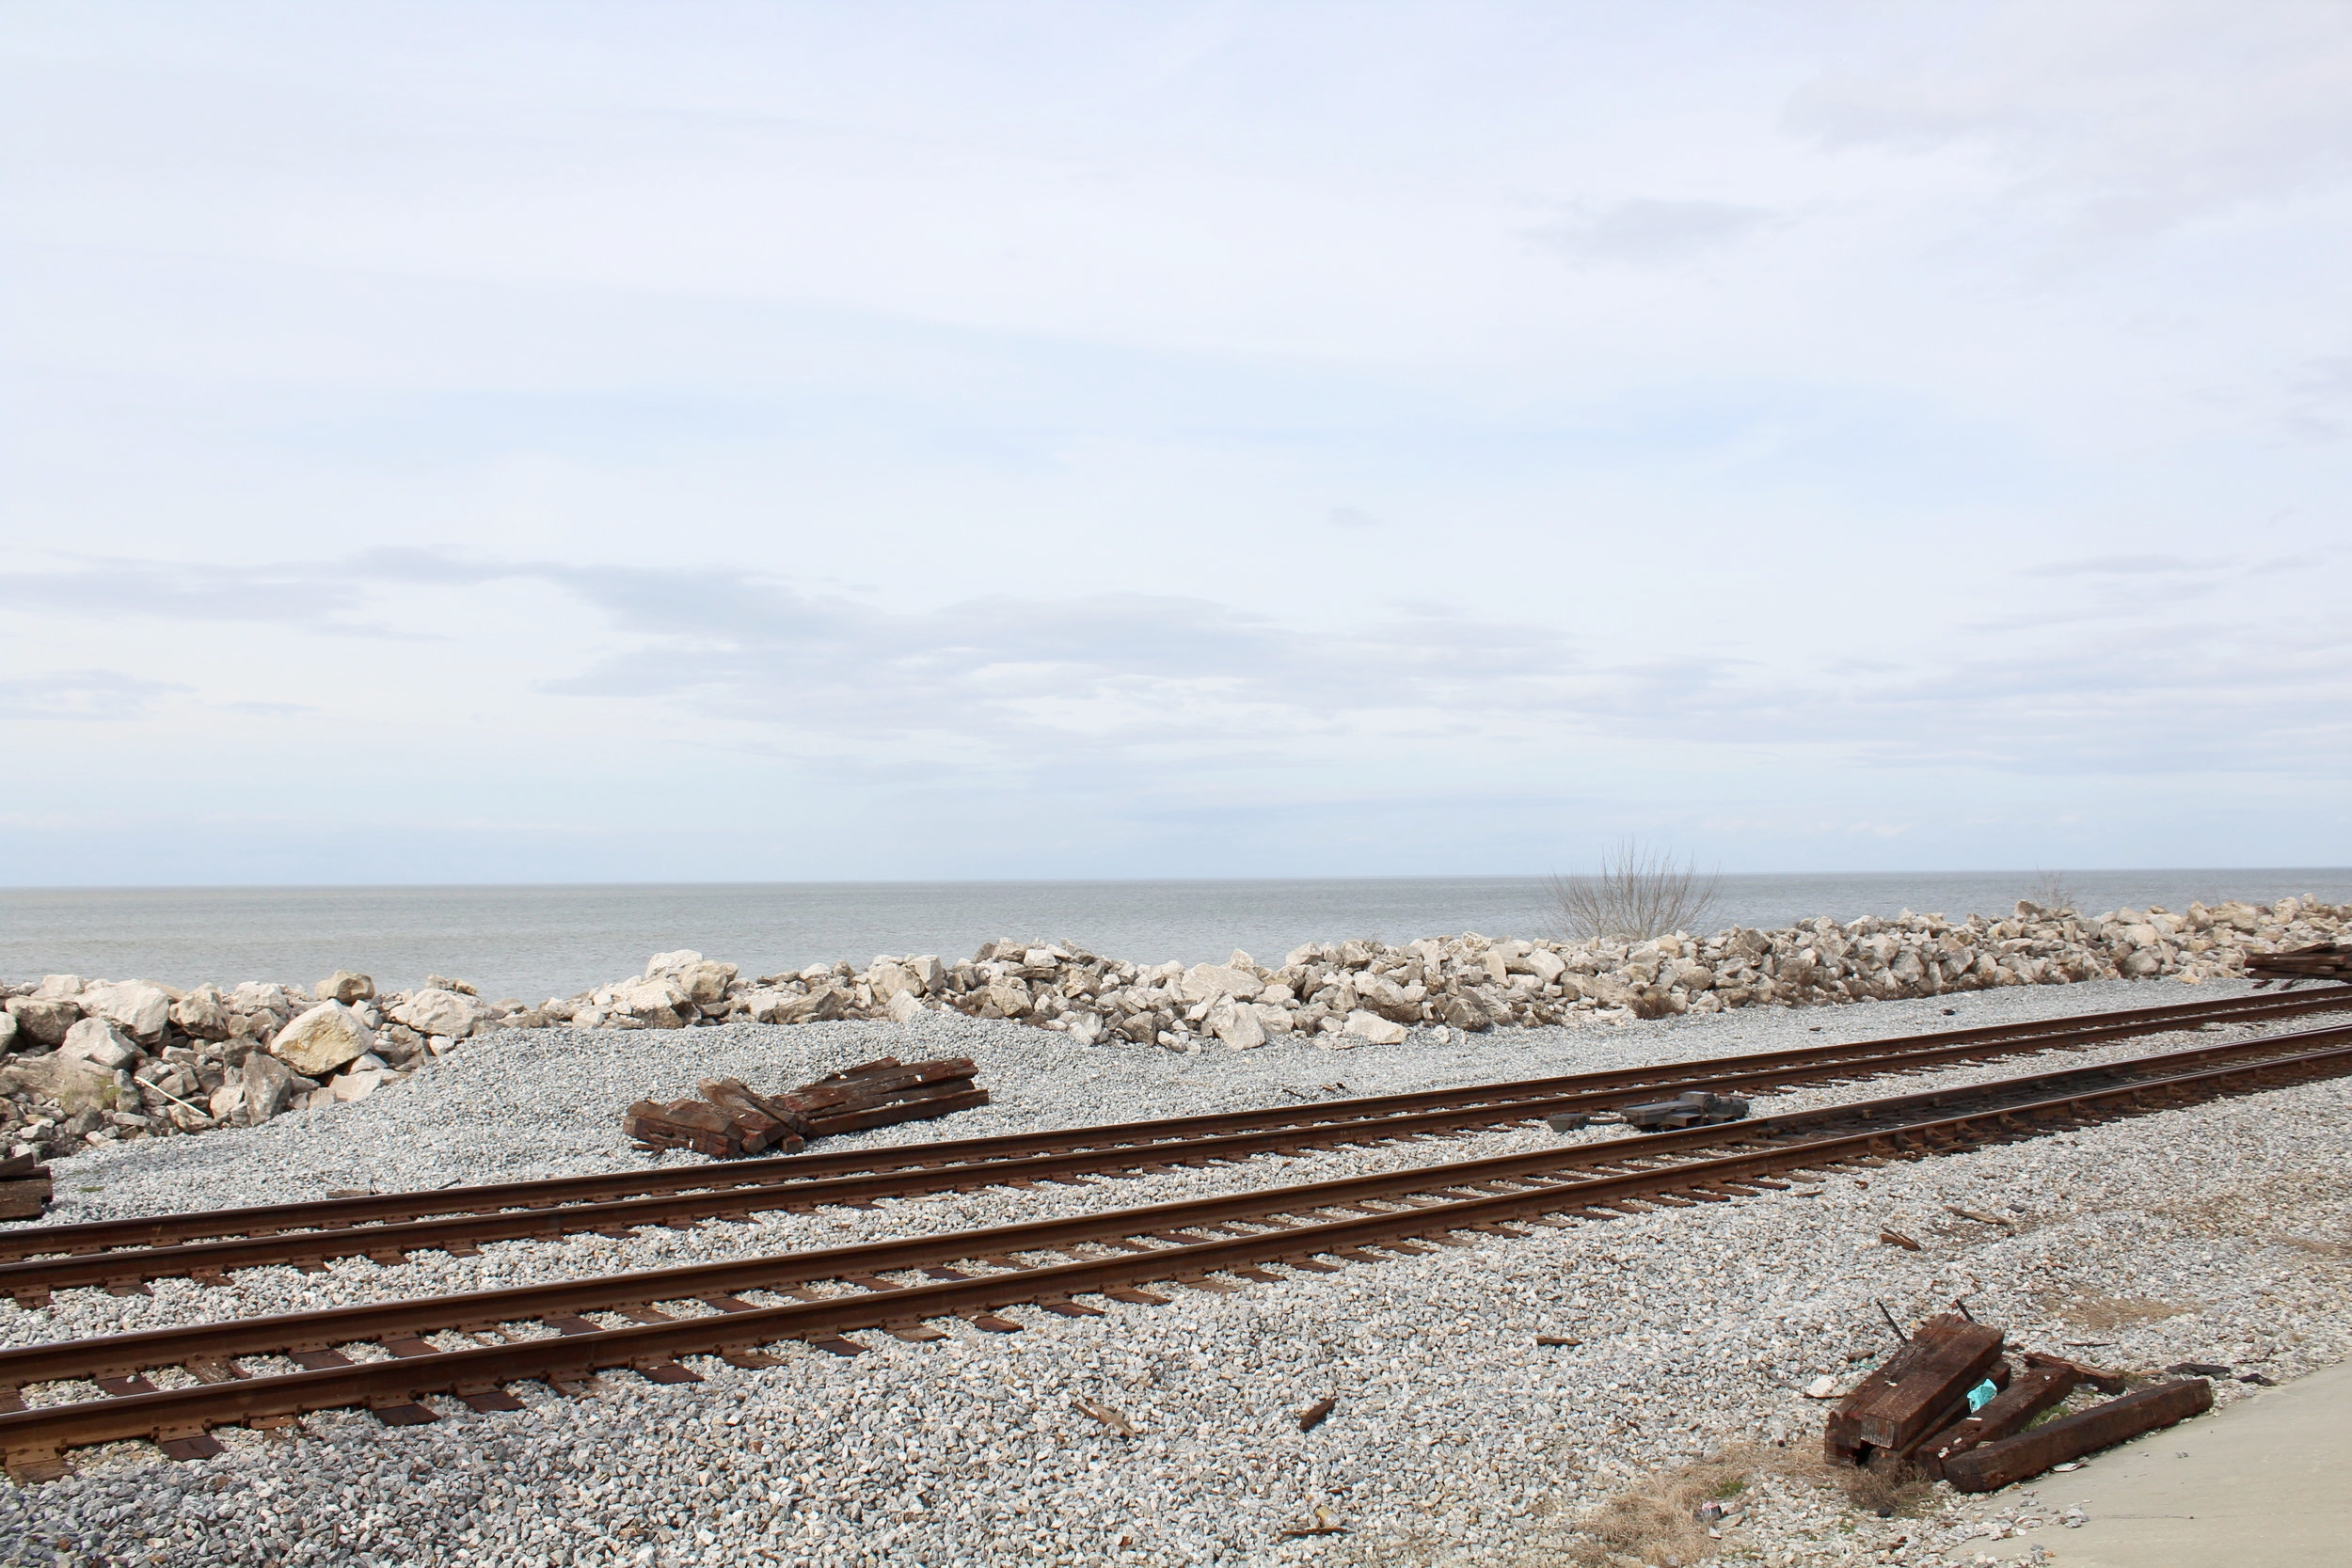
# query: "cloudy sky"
[[714, 441]]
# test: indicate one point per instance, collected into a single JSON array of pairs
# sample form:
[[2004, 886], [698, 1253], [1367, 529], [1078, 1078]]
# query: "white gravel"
[[2217, 1234]]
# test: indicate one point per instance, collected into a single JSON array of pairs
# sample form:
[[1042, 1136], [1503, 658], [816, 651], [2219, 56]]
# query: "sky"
[[701, 441]]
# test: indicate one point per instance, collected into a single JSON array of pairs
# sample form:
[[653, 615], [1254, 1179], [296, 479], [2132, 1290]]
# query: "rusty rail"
[[204, 1244], [1154, 1246]]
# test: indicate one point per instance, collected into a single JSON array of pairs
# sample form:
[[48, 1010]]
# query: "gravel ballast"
[[2215, 1233]]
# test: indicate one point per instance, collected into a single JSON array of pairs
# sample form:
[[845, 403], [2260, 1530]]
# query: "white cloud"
[[1162, 424], [1643, 231]]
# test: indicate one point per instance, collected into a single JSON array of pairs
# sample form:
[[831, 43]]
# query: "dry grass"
[[1888, 1487], [1637, 894], [1657, 1523]]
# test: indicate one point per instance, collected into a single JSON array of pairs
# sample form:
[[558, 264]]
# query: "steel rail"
[[158, 1248], [31, 1282], [34, 1440], [120, 1354]]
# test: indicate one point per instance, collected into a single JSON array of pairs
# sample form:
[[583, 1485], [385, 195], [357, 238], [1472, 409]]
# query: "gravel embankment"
[[2217, 1234]]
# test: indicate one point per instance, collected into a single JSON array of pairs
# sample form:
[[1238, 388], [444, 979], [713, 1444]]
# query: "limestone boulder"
[[344, 987], [360, 1082], [1203, 981], [889, 977], [434, 1011], [323, 1039], [823, 1003], [8, 1032], [97, 1041], [139, 1008], [75, 1083], [1009, 998], [904, 1005], [1236, 1023], [44, 1020], [1542, 962], [202, 1014], [268, 1085], [705, 984], [59, 988], [1373, 1029]]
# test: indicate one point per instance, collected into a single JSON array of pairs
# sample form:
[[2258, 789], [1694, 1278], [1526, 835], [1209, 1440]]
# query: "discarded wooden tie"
[[25, 1188], [732, 1120]]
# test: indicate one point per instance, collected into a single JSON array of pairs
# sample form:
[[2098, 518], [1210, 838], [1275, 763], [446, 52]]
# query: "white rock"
[[358, 1085], [1823, 1387], [671, 963], [59, 988], [890, 979], [1373, 1029], [323, 1039], [433, 1011], [202, 1014], [903, 1004], [343, 986], [268, 1085], [141, 1009], [1203, 981], [74, 1082], [97, 1041], [1236, 1023]]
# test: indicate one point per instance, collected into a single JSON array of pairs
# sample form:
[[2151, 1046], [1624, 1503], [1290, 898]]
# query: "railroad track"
[[205, 1245], [540, 1333]]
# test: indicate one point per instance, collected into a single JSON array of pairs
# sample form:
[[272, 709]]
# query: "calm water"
[[537, 941]]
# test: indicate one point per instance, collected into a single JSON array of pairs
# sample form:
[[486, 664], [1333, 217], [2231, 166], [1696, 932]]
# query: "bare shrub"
[[1637, 894], [2050, 891]]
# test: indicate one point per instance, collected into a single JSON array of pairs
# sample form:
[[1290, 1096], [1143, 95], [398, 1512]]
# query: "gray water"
[[536, 942]]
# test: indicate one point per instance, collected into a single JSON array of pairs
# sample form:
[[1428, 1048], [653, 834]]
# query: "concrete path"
[[2266, 1483]]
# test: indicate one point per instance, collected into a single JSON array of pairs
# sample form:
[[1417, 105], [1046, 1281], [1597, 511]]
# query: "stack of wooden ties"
[[732, 1119], [2322, 961], [1949, 1403]]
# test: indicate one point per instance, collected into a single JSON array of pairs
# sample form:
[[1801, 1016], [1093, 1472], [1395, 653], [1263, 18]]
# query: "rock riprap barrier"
[[94, 1060]]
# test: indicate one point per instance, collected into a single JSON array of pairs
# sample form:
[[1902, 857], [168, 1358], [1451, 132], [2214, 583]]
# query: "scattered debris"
[[1322, 1522], [1314, 1414], [1895, 1238], [1555, 1339], [1980, 1218], [2197, 1368], [1697, 1108], [1106, 1414], [732, 1119]]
